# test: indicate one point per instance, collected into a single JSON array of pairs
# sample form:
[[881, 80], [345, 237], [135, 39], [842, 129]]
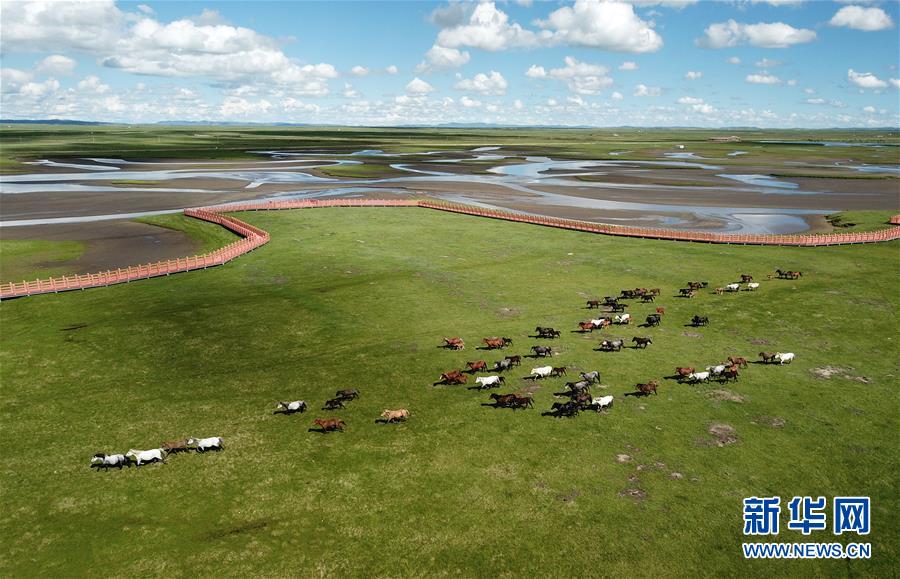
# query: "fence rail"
[[254, 237]]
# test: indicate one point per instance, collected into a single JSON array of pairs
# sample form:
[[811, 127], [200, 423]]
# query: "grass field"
[[360, 298], [24, 259]]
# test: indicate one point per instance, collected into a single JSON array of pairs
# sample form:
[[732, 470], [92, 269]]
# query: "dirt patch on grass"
[[691, 335], [634, 493], [236, 530], [569, 497], [724, 396], [623, 458], [771, 421], [721, 435], [760, 342], [826, 372]]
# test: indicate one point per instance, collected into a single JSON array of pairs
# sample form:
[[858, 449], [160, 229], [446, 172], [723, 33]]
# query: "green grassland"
[[360, 298], [208, 235], [30, 259], [25, 142]]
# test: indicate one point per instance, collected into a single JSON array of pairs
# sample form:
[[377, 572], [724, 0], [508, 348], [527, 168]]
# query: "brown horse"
[[454, 377], [738, 361], [522, 401], [591, 304], [560, 371], [329, 424], [503, 399], [496, 343], [661, 311], [586, 326], [730, 373], [647, 298], [334, 404], [767, 357], [646, 389], [454, 343], [641, 342], [656, 291], [684, 370], [476, 366], [746, 278]]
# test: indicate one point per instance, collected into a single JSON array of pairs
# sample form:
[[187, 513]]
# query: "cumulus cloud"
[[693, 75], [860, 18], [487, 28], [201, 46], [895, 82], [349, 92], [469, 103], [359, 70], [763, 78], [518, 105], [535, 71], [56, 64], [580, 77], [767, 63], [689, 101], [869, 109], [865, 79], [605, 25], [643, 90], [418, 87], [763, 34], [628, 65], [392, 69], [734, 60], [93, 84], [617, 96], [492, 84], [441, 58], [815, 101]]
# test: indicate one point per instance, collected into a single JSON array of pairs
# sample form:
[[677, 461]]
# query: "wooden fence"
[[253, 237]]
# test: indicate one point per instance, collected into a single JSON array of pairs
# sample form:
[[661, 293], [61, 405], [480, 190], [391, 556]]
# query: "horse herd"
[[578, 392]]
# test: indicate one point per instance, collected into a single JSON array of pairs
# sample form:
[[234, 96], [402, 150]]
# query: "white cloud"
[[551, 102], [469, 103], [763, 34], [535, 71], [865, 79], [239, 107], [581, 77], [441, 58], [419, 87], [734, 60], [487, 28], [668, 3], [693, 75], [643, 90], [767, 63], [350, 92], [39, 89], [291, 104], [628, 65], [869, 109], [809, 91], [56, 64], [815, 101], [52, 26], [93, 84], [895, 82], [860, 18], [763, 78], [12, 79], [518, 105], [779, 2], [690, 101], [145, 9], [792, 82], [576, 100], [617, 96], [493, 84], [359, 70], [605, 25]]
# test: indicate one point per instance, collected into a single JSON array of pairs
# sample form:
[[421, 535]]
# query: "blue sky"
[[768, 63]]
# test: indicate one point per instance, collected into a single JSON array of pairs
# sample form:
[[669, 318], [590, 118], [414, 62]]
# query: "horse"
[[641, 342], [503, 400], [617, 307], [654, 319], [579, 386], [558, 371], [289, 407], [656, 291], [329, 424], [646, 389], [730, 373], [767, 357], [737, 361], [746, 278], [349, 393], [542, 351], [699, 321], [567, 409], [493, 343], [610, 345], [788, 274], [454, 343], [591, 377], [696, 285], [646, 298], [514, 360], [521, 402], [591, 304], [720, 291], [586, 326], [334, 404], [452, 378], [476, 366], [661, 311], [395, 415], [502, 365], [547, 332], [683, 371]]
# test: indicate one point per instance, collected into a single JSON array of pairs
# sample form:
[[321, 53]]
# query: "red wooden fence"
[[253, 237]]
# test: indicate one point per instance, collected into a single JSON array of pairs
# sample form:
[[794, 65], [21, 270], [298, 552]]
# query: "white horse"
[[752, 286], [291, 407], [144, 456], [698, 377], [716, 370], [542, 372], [622, 319], [602, 402], [107, 461], [488, 381], [784, 357], [204, 444], [733, 287]]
